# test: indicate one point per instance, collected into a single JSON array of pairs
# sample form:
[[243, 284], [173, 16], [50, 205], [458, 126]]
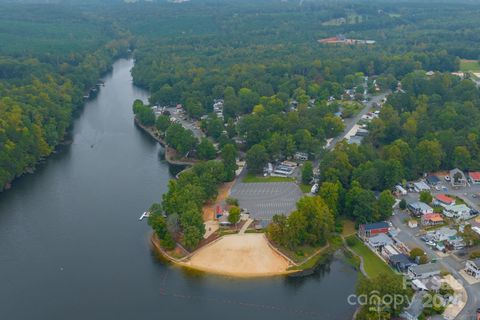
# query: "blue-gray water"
[[71, 245]]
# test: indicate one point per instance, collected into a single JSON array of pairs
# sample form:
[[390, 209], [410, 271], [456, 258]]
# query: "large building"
[[366, 231]]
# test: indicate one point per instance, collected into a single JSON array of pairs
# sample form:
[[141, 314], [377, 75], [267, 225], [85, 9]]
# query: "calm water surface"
[[71, 245]]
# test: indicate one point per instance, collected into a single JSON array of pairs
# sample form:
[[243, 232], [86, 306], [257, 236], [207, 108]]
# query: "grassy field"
[[306, 188], [469, 65], [372, 263], [250, 178], [348, 227]]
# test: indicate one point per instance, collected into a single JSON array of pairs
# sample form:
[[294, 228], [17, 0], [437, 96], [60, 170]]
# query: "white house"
[[472, 267], [419, 208], [302, 156], [421, 186], [458, 211], [443, 233], [401, 190]]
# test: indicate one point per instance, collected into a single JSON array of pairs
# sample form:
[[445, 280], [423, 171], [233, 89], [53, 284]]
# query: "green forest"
[[54, 56], [277, 83], [281, 89], [263, 59]]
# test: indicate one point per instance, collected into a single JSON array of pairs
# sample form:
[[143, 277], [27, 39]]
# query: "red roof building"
[[444, 199], [475, 176], [431, 219]]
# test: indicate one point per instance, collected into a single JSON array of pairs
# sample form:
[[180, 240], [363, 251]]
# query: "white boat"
[[146, 214]]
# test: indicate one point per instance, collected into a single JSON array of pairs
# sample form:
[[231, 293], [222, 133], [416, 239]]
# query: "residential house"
[[432, 180], [472, 267], [458, 211], [401, 262], [443, 200], [424, 271], [412, 223], [218, 108], [475, 177], [432, 284], [355, 140], [419, 208], [443, 234], [421, 186], [457, 178], [431, 219], [380, 240], [400, 190], [362, 132], [366, 231], [455, 243], [388, 251], [302, 156]]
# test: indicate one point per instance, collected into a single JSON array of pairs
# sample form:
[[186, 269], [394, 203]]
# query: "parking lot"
[[263, 200]]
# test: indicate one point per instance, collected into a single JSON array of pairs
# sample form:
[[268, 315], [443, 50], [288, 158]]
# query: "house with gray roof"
[[419, 208], [424, 271], [457, 178], [380, 240], [472, 268]]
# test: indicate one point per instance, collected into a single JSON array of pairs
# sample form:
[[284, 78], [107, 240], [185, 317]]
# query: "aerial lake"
[[72, 247]]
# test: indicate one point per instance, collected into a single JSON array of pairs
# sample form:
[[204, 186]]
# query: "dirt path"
[[223, 193]]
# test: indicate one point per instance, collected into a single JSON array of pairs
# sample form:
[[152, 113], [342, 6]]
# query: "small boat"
[[146, 214]]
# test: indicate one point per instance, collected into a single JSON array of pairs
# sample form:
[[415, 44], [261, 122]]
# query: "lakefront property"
[[242, 159]]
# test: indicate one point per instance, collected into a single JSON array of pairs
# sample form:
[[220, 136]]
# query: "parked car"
[[447, 178]]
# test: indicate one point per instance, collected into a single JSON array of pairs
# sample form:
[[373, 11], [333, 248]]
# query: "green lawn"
[[469, 65], [250, 178], [306, 188], [372, 263], [348, 227]]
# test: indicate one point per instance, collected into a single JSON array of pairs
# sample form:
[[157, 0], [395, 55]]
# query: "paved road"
[[189, 125], [408, 236], [350, 123]]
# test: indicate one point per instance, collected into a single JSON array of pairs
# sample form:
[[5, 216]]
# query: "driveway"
[[350, 123]]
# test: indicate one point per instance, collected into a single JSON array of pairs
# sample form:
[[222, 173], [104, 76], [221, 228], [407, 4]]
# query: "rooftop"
[[458, 208], [444, 198], [376, 225], [400, 258], [421, 185], [476, 262], [475, 175], [380, 239], [420, 206], [425, 268], [435, 217], [433, 180]]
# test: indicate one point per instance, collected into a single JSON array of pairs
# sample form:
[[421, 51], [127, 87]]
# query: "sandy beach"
[[247, 255]]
